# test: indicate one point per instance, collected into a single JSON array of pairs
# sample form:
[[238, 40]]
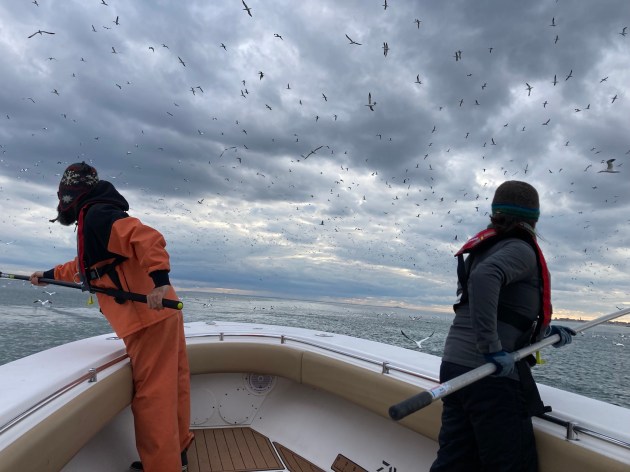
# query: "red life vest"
[[489, 237]]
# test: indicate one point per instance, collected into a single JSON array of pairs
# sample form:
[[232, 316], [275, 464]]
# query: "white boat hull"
[[320, 396]]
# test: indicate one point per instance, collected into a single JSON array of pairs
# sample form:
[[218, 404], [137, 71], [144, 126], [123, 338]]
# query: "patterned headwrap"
[[77, 180], [516, 198]]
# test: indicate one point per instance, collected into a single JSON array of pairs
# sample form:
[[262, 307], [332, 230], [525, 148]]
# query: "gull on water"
[[43, 302], [419, 343]]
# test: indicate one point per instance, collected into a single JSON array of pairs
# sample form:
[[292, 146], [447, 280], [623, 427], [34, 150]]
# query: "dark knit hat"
[[77, 180], [516, 198]]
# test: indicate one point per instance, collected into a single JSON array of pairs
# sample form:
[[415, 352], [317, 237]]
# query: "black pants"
[[485, 427]]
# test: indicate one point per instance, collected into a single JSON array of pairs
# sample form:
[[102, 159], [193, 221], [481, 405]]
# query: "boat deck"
[[242, 450]]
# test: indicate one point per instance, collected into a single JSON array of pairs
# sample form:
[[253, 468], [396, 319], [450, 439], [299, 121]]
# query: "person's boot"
[[137, 465]]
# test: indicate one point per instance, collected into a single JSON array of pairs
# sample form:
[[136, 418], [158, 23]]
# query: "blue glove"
[[566, 334], [504, 362]]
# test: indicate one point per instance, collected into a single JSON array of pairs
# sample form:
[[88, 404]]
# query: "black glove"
[[503, 360], [566, 334]]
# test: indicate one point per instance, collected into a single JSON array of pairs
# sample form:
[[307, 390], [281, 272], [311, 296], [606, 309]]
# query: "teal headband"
[[516, 210]]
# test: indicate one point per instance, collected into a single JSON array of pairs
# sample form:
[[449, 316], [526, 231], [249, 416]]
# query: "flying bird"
[[385, 49], [624, 31], [529, 89], [555, 81], [419, 343], [181, 61], [570, 75], [352, 41], [40, 32], [417, 22], [370, 105], [247, 9], [613, 99], [609, 167], [313, 151]]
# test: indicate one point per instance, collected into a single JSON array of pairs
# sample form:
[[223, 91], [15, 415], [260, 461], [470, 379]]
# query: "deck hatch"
[[295, 462], [231, 450], [343, 464]]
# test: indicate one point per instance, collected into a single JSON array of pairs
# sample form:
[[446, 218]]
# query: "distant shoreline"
[[618, 323]]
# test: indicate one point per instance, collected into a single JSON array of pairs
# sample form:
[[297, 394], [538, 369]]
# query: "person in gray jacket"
[[504, 304]]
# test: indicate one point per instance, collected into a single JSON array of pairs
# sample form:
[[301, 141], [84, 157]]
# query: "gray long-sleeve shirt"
[[505, 276]]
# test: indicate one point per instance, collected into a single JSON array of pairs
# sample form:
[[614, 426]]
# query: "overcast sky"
[[265, 168]]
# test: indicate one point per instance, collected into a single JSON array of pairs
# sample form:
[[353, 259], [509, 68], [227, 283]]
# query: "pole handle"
[[423, 399], [410, 405], [135, 297], [138, 297]]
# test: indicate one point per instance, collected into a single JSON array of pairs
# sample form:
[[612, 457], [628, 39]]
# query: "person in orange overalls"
[[115, 250]]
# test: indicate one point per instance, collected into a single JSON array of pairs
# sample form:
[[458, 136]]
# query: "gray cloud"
[[240, 190]]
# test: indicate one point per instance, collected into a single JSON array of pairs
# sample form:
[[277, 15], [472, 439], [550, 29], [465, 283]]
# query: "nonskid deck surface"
[[241, 450]]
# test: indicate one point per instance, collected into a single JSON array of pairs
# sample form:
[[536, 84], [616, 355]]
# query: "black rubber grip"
[[410, 405]]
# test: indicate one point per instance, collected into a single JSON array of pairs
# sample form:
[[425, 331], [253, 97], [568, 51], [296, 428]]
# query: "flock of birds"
[[373, 186]]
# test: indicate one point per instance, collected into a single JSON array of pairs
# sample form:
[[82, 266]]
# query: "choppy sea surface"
[[596, 364]]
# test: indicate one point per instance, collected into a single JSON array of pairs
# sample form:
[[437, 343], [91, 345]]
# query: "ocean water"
[[596, 364]]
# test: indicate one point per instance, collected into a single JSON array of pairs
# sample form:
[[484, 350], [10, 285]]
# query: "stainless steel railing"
[[90, 376]]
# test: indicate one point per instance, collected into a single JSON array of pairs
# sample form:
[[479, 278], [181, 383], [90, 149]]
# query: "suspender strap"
[[106, 269], [110, 270]]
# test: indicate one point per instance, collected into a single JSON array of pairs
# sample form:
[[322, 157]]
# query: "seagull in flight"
[[570, 75], [40, 32], [247, 9], [419, 343], [624, 31], [181, 61], [609, 167], [385, 49], [352, 41], [418, 81], [370, 105], [529, 89]]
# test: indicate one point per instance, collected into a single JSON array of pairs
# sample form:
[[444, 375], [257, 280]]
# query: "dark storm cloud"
[[240, 172]]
